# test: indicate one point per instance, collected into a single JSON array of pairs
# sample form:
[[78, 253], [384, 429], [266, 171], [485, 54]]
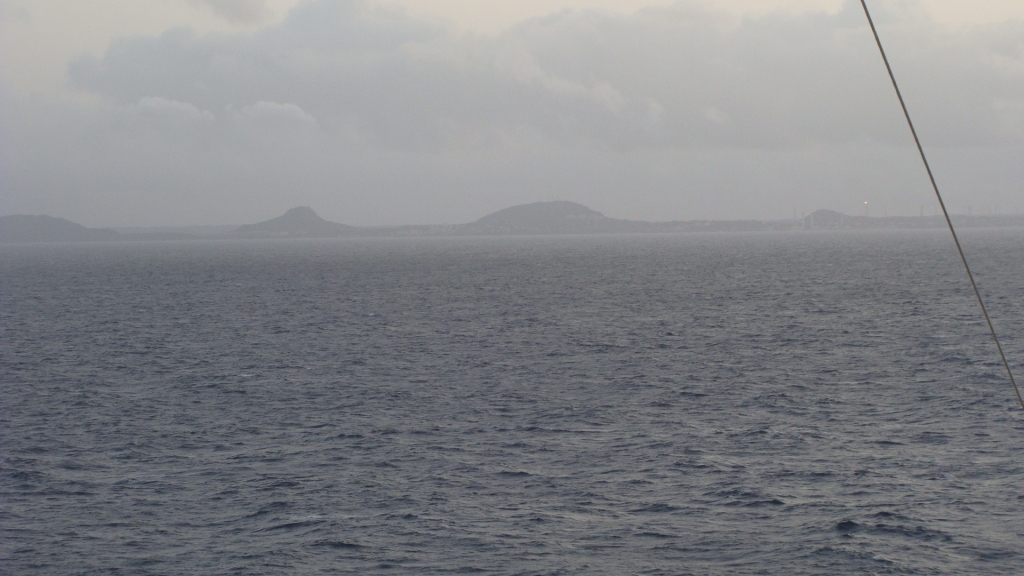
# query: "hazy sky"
[[171, 112]]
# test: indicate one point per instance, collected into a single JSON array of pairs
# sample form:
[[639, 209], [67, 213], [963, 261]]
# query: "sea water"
[[786, 403]]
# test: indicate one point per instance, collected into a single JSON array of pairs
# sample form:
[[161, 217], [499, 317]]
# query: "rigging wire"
[[942, 204]]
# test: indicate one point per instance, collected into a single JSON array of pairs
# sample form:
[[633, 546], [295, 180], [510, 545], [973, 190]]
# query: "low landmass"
[[830, 219], [562, 217], [300, 222], [24, 228], [539, 218]]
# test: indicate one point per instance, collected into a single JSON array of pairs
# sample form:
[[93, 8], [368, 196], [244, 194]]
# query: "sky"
[[192, 112]]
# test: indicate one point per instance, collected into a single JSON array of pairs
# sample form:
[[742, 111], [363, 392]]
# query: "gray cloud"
[[13, 12], [376, 117], [666, 77], [238, 11], [274, 113]]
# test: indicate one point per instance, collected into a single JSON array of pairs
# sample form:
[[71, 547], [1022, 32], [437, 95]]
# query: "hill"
[[560, 217], [25, 228], [300, 222]]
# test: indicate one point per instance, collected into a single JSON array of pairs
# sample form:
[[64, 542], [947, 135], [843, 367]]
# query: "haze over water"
[[688, 404]]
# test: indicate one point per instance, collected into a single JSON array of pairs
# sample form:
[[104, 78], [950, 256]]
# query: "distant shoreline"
[[536, 219]]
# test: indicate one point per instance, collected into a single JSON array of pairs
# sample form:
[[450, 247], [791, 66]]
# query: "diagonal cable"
[[945, 212]]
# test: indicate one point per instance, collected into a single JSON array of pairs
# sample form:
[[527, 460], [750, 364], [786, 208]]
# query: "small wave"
[[917, 532], [847, 527], [337, 544], [293, 525], [657, 508], [269, 508], [26, 475], [769, 502], [654, 535]]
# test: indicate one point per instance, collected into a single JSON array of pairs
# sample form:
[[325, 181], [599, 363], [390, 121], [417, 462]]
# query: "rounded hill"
[[560, 217], [299, 222]]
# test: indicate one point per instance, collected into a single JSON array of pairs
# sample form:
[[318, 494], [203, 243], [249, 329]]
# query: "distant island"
[[538, 218], [300, 222], [23, 228]]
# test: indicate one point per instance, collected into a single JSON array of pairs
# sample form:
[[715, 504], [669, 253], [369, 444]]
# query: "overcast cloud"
[[375, 117], [240, 11]]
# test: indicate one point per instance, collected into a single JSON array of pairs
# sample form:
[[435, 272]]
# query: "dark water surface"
[[743, 404]]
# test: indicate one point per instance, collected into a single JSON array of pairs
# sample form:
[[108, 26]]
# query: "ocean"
[[769, 403]]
